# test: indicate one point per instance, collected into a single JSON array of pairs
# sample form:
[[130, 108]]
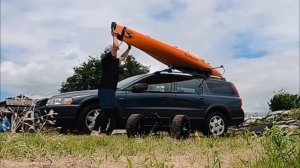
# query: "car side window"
[[189, 86], [159, 83], [220, 88]]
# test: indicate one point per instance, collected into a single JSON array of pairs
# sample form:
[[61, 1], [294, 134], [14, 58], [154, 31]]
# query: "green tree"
[[283, 100], [131, 68], [87, 75]]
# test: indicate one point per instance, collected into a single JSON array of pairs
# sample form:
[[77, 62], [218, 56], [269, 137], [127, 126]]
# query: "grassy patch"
[[119, 151], [281, 150]]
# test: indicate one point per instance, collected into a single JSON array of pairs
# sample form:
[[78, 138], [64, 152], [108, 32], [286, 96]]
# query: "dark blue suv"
[[211, 104]]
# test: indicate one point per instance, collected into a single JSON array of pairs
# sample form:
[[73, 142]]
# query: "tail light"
[[237, 93]]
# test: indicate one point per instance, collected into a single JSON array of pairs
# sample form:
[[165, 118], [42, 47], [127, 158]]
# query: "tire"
[[87, 117], [135, 126], [181, 127], [215, 124]]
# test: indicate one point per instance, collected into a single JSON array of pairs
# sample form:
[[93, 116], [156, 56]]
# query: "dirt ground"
[[190, 159]]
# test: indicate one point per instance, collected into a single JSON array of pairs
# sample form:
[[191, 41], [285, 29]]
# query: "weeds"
[[214, 162], [296, 114], [248, 137], [24, 119], [281, 149], [129, 163]]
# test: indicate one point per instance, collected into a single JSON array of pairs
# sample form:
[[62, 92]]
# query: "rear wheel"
[[215, 124], [180, 128], [88, 117], [135, 126]]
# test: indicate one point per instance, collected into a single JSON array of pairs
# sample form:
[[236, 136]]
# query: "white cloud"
[[42, 40], [258, 79]]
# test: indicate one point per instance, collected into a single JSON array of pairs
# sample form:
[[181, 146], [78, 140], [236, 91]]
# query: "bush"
[[296, 102], [284, 101]]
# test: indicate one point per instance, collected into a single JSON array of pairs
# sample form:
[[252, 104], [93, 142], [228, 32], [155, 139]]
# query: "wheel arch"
[[94, 100], [220, 108], [85, 102]]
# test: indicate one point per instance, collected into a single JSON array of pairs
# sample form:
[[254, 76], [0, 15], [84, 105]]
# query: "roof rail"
[[186, 70], [193, 72]]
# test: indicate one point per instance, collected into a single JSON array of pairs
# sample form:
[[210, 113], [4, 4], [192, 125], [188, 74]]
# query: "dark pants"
[[107, 104]]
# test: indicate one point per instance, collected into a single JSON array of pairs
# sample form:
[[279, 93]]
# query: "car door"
[[158, 98], [190, 99]]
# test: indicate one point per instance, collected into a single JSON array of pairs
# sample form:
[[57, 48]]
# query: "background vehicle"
[[211, 104]]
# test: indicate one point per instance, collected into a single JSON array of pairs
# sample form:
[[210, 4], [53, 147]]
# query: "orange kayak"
[[169, 55]]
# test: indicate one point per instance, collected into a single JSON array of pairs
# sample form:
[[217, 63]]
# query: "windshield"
[[126, 81]]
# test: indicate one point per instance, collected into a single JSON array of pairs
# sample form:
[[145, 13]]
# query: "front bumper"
[[63, 114]]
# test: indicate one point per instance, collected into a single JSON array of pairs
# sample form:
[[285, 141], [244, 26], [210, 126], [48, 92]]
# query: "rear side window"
[[189, 86], [220, 88]]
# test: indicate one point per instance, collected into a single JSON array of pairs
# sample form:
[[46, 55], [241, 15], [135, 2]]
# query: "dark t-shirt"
[[110, 72]]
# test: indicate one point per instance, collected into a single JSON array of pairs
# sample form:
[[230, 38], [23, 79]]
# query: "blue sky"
[[256, 42], [244, 47]]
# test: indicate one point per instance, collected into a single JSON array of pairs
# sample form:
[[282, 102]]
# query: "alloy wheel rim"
[[217, 125], [91, 118]]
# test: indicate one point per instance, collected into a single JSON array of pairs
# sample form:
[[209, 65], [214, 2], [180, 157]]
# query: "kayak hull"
[[171, 56]]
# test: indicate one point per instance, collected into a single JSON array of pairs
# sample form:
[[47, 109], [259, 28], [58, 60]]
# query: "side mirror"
[[140, 87]]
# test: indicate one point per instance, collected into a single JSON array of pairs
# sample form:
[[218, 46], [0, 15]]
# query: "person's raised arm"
[[124, 56], [116, 44]]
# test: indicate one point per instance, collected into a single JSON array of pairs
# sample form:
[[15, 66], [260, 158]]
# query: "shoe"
[[95, 133]]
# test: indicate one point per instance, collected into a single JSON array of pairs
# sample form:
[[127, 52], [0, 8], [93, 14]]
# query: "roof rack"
[[193, 72]]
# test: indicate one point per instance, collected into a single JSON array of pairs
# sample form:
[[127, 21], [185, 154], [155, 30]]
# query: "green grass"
[[239, 151], [281, 150]]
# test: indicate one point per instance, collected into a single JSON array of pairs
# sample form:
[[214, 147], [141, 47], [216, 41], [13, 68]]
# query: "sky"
[[257, 41]]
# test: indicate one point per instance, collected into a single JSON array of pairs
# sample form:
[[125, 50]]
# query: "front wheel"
[[87, 118], [215, 124]]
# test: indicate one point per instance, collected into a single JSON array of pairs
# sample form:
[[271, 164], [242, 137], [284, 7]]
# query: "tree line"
[[87, 75]]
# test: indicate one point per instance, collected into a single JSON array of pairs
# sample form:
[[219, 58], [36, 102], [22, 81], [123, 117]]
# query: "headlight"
[[59, 101]]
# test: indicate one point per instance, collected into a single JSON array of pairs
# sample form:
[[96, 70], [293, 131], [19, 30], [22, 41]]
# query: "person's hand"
[[129, 47], [114, 33]]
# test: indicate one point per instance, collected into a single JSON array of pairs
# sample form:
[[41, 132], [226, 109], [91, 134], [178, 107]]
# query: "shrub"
[[296, 102], [283, 100]]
